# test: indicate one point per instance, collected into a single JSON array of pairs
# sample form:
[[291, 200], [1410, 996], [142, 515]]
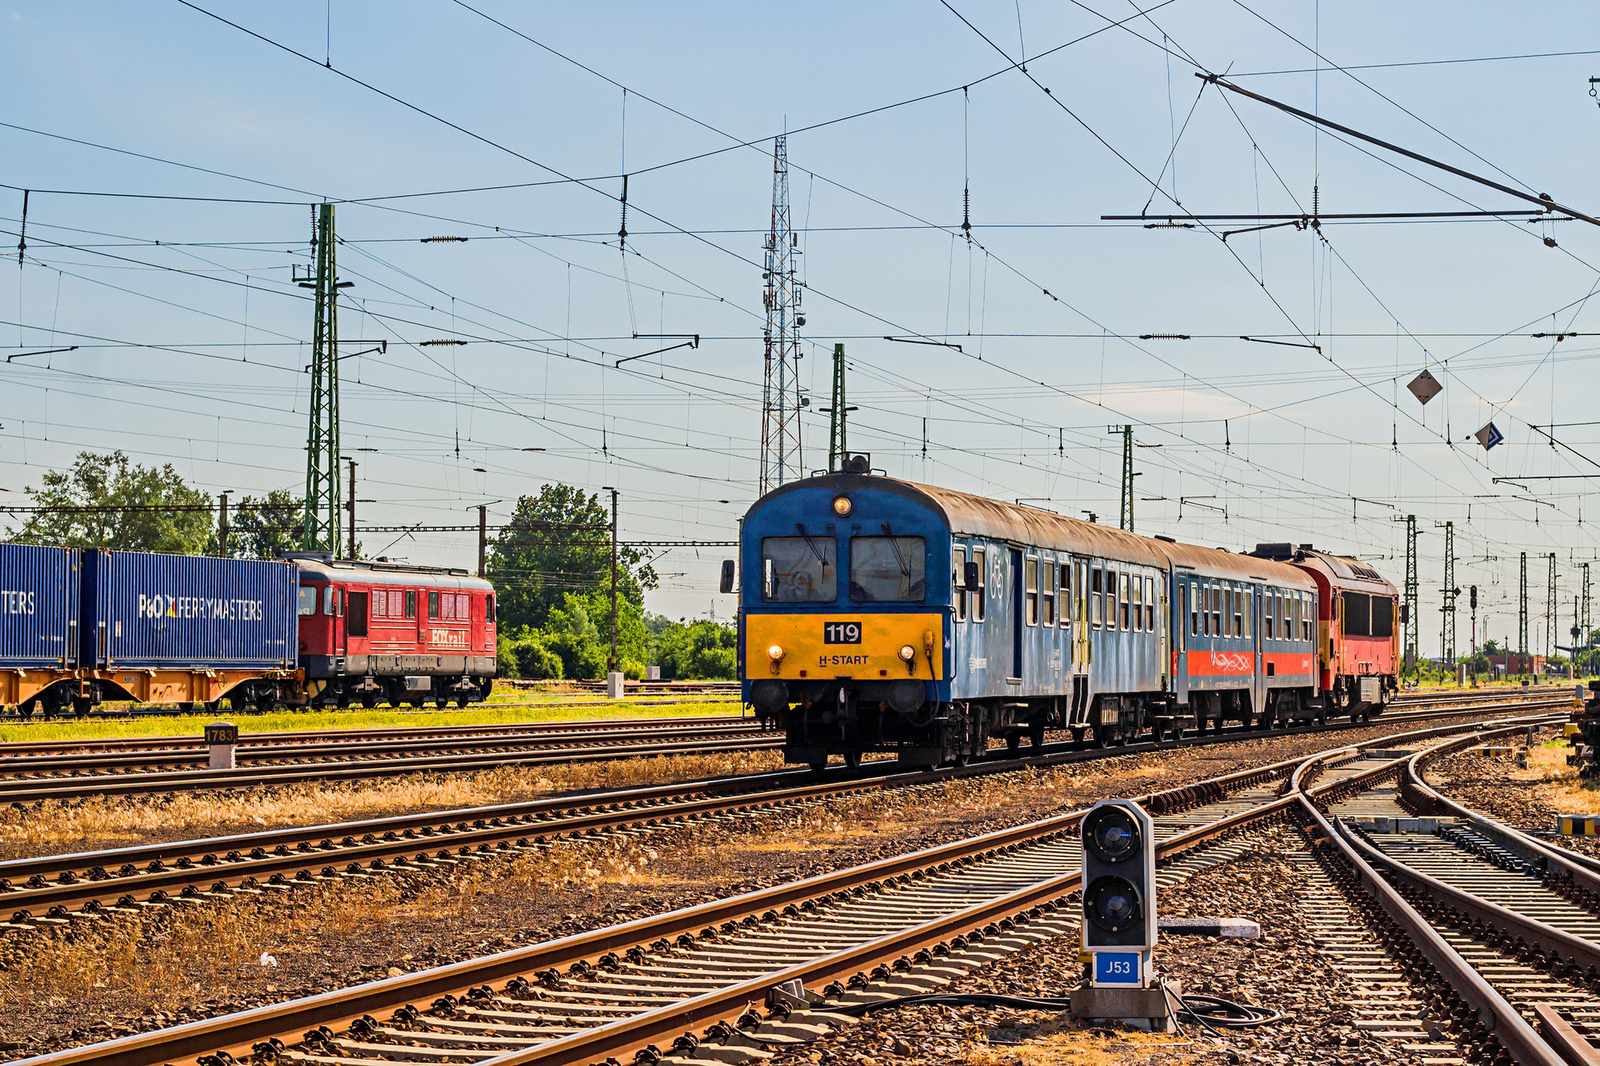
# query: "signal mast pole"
[[322, 518]]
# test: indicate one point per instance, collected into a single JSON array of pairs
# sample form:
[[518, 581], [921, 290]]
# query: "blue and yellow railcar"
[[854, 640]]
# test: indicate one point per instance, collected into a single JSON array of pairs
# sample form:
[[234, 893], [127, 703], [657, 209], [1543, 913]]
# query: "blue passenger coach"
[[853, 639]]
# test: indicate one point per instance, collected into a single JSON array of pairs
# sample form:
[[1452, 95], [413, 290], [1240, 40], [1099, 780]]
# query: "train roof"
[[970, 515], [1341, 570], [366, 572]]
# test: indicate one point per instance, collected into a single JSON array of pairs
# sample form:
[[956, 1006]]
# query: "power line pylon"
[[1126, 432], [1551, 608], [1448, 630], [1584, 620], [321, 527], [1522, 609], [837, 413], [1412, 623], [780, 393]]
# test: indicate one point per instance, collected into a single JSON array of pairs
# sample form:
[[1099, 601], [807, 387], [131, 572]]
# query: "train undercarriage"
[[852, 722]]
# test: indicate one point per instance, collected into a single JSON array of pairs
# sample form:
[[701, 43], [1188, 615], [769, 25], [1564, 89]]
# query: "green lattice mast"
[[321, 529]]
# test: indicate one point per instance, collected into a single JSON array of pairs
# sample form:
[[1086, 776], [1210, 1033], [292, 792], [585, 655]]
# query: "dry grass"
[[113, 822], [552, 710], [1548, 778]]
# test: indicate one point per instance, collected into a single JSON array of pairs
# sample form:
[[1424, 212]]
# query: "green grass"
[[549, 710]]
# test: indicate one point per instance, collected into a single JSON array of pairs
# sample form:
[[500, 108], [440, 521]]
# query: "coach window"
[[1122, 600], [1194, 610], [1216, 611], [888, 569], [308, 600], [1066, 594], [1150, 604], [958, 581], [981, 594], [1236, 604], [1305, 625], [1030, 588], [1047, 592], [1136, 595], [1269, 600], [1111, 598], [799, 569], [1096, 587]]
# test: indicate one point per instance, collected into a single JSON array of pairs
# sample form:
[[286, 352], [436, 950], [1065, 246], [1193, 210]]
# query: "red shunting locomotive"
[[372, 631]]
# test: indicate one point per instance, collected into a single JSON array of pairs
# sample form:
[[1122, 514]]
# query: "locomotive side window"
[[358, 614], [433, 605], [463, 606], [308, 600], [411, 603], [888, 569], [958, 583], [979, 596], [380, 603], [329, 597], [488, 608], [1030, 584], [799, 569]]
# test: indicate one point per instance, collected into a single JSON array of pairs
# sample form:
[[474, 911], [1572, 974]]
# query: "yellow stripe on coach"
[[863, 647]]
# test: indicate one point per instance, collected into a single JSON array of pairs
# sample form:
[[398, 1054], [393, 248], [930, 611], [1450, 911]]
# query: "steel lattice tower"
[[1551, 609], [1410, 638], [838, 413], [1522, 609], [1127, 477], [1448, 634], [780, 393], [321, 530], [1583, 638]]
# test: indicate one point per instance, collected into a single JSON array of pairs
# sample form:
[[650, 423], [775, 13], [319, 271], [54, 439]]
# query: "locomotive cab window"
[[308, 600], [799, 569], [888, 569], [1382, 616]]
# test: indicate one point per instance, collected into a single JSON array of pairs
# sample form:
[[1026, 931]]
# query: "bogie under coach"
[[853, 640]]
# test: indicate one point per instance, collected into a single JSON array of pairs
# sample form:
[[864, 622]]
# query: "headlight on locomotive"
[[907, 653], [775, 653]]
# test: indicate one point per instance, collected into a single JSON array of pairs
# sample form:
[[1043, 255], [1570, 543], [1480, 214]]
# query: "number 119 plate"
[[841, 633]]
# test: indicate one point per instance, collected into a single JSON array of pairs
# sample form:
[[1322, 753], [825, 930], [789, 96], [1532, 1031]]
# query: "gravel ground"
[[1283, 971], [1530, 798], [181, 964]]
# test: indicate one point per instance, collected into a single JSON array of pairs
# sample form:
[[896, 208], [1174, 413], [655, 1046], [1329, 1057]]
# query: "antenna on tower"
[[781, 401]]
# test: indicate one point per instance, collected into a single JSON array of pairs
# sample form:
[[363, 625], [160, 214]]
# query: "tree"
[[266, 528], [556, 543], [106, 501], [699, 650]]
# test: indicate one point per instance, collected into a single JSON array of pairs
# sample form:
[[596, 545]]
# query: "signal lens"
[[907, 652], [841, 505], [775, 653]]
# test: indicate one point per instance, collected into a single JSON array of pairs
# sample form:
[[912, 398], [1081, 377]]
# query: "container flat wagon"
[[39, 589]]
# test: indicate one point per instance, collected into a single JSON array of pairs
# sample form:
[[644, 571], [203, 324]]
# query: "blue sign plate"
[[1116, 968]]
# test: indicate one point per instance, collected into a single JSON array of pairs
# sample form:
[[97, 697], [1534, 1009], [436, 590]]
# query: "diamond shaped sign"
[[1425, 387], [1489, 436]]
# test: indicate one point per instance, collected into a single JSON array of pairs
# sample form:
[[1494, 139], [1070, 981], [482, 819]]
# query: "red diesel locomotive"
[[1358, 644], [373, 631]]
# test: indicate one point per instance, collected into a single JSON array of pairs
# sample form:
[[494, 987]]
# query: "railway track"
[[684, 985], [60, 888]]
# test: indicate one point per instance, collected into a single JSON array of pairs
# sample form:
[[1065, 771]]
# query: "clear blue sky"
[[192, 351]]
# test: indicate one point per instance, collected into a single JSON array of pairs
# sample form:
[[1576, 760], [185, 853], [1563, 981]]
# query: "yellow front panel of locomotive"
[[860, 646]]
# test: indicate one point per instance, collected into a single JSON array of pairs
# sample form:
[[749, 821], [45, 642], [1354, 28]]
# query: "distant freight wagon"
[[79, 627]]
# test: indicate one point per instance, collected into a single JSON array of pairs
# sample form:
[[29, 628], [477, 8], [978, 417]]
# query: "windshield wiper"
[[899, 558], [811, 542]]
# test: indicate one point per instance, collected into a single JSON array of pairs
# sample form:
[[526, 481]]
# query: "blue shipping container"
[[144, 610], [38, 607]]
